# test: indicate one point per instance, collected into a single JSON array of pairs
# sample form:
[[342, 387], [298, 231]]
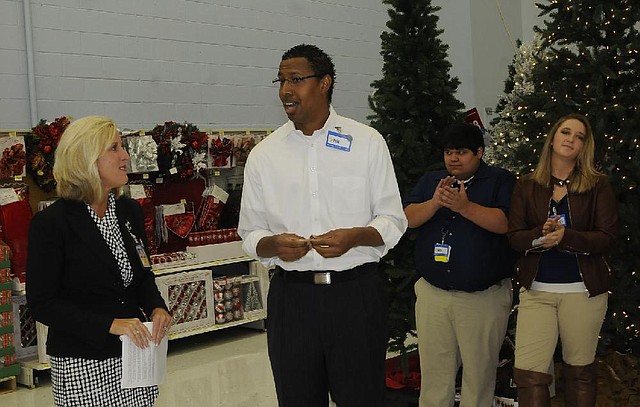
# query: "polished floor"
[[224, 368]]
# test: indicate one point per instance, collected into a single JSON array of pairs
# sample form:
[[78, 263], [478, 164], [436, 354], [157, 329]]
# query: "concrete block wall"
[[208, 62]]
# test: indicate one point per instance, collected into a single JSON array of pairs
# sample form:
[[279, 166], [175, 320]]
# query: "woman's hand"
[[161, 322], [133, 328], [554, 238], [551, 224]]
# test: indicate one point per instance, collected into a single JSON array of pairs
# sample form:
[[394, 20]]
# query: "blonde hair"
[[585, 176], [75, 168]]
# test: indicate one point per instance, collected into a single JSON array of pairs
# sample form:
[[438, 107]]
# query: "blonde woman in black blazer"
[[88, 274]]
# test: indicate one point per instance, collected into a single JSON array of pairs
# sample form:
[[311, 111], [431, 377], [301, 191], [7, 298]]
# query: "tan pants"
[[542, 316], [457, 327]]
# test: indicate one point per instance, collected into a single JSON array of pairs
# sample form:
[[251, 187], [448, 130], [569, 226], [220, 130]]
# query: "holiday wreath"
[[182, 149], [41, 146]]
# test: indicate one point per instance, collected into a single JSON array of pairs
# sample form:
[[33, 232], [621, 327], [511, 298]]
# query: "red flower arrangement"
[[182, 149], [221, 150], [41, 146]]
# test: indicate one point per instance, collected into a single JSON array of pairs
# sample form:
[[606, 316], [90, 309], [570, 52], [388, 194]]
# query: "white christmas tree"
[[508, 130]]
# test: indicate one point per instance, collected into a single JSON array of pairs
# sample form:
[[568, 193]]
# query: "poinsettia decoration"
[[41, 146], [221, 150], [182, 149]]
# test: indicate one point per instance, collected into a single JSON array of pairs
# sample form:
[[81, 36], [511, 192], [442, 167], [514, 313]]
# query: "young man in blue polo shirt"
[[465, 264]]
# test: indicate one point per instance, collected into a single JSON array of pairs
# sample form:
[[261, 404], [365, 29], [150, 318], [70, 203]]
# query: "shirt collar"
[[328, 125], [110, 217], [481, 172]]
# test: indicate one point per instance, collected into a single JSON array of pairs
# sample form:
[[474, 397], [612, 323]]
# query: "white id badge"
[[563, 219], [144, 259], [441, 252], [339, 141]]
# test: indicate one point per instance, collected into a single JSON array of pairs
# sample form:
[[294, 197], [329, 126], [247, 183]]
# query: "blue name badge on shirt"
[[441, 252], [339, 141], [562, 219]]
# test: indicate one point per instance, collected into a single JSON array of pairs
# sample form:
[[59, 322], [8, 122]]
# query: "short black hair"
[[460, 135], [320, 62]]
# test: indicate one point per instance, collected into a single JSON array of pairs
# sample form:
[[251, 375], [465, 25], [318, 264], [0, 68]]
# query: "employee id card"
[[142, 254], [339, 141], [441, 252], [563, 219]]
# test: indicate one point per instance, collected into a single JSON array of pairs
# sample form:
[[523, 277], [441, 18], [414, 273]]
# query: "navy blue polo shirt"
[[478, 258]]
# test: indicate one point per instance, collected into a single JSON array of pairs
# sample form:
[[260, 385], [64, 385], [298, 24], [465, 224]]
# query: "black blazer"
[[74, 283]]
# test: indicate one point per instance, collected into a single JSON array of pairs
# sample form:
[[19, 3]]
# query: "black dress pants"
[[328, 339]]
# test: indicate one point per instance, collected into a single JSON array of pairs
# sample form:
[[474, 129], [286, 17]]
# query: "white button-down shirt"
[[306, 185]]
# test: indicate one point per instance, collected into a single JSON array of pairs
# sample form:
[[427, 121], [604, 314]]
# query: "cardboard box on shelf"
[[189, 297], [219, 251]]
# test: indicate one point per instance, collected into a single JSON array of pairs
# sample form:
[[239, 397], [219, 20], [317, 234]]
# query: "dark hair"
[[320, 62], [460, 135]]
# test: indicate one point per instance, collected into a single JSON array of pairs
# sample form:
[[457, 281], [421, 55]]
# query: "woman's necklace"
[[560, 182]]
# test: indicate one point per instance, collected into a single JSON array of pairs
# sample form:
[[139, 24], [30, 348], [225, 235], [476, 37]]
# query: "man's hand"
[[334, 243], [455, 198], [286, 246]]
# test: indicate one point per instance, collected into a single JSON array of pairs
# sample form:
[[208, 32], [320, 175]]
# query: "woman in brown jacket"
[[563, 220]]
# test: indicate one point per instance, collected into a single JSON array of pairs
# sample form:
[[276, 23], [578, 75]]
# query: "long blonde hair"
[[75, 168], [585, 176]]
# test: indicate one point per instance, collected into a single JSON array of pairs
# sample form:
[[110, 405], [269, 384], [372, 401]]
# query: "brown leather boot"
[[581, 384], [533, 388]]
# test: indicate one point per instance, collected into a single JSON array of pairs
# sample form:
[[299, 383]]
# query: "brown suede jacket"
[[594, 226]]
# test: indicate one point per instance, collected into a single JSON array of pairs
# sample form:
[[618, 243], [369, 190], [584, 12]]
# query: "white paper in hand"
[[143, 367]]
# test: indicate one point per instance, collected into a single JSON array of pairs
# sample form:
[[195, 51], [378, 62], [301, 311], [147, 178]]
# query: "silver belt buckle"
[[322, 278]]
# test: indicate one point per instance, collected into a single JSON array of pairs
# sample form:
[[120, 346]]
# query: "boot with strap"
[[533, 388], [581, 384]]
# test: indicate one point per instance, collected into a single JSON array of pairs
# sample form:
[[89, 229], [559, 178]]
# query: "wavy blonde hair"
[[585, 176], [75, 168]]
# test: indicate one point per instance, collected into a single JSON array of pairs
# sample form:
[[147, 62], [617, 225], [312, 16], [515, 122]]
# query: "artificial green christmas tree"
[[588, 63], [413, 100]]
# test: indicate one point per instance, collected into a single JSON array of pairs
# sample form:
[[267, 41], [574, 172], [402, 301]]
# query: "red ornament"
[[46, 149]]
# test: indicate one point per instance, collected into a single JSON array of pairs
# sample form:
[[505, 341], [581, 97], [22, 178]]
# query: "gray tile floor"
[[224, 368]]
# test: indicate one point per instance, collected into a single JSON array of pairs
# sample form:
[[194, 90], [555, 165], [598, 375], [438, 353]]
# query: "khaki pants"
[[542, 316], [457, 327]]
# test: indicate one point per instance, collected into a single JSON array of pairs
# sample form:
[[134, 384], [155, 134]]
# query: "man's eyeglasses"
[[296, 80]]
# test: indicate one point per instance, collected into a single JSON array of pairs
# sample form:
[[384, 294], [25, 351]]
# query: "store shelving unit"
[[199, 271], [195, 279]]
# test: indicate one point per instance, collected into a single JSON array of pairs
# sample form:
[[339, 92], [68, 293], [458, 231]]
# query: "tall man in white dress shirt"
[[320, 202]]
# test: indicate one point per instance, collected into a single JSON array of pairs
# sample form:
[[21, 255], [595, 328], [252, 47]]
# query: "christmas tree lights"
[[586, 62]]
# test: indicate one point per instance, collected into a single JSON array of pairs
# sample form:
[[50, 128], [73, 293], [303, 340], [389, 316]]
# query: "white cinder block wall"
[[208, 62], [211, 62]]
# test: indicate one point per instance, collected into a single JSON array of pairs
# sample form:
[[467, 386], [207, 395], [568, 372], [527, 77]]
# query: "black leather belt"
[[322, 277]]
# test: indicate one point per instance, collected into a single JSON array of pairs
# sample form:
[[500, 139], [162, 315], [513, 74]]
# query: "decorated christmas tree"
[[413, 100], [587, 63], [509, 145]]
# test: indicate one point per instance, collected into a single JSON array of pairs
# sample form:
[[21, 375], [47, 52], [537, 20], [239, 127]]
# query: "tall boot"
[[581, 384], [533, 388]]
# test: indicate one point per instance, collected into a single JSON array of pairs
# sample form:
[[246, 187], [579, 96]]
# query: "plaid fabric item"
[[95, 383], [110, 231]]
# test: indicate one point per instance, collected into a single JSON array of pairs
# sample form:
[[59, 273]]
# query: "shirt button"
[[313, 169], [314, 194]]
